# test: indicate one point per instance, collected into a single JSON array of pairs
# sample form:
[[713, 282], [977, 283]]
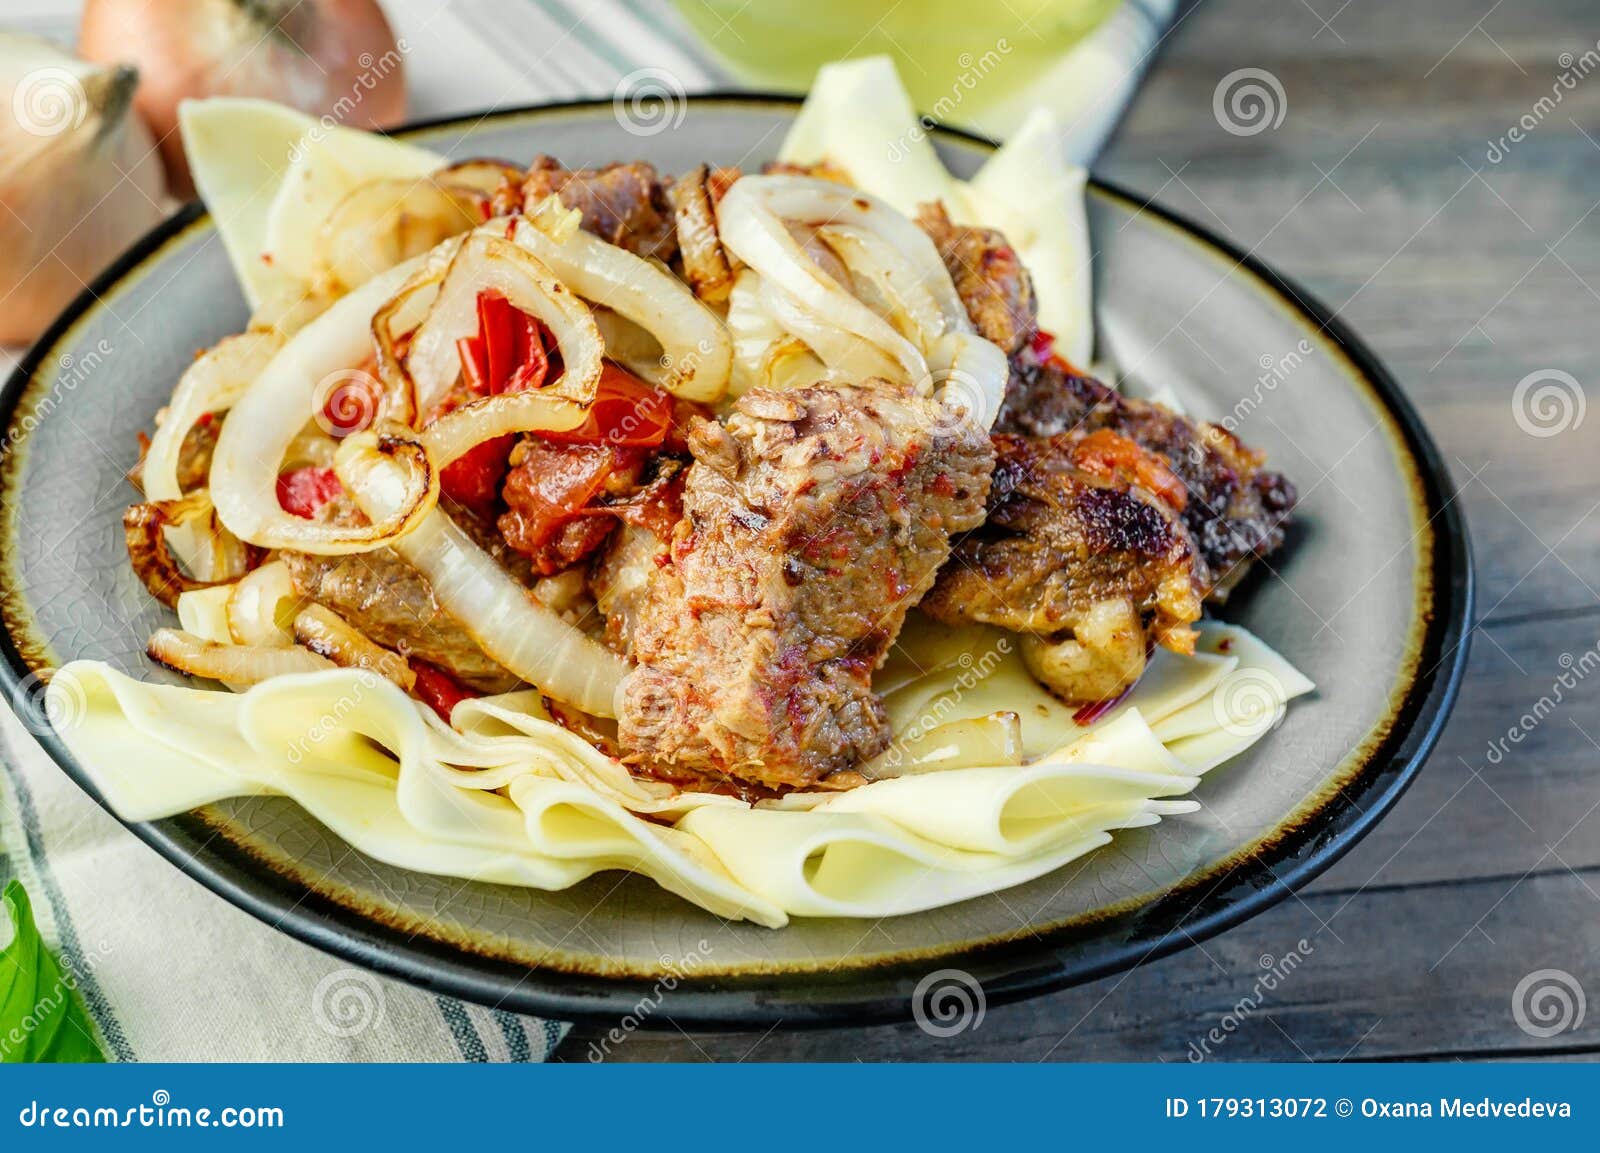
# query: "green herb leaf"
[[41, 1018]]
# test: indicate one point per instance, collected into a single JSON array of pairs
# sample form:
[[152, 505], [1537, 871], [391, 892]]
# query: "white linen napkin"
[[170, 972]]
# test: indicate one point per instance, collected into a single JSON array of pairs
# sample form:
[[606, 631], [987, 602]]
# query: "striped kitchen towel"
[[550, 50], [170, 972]]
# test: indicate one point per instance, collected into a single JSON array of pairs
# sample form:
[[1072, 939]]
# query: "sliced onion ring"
[[490, 263], [384, 222], [144, 528], [505, 619], [212, 384], [754, 219], [330, 636], [697, 353], [232, 664], [271, 414], [254, 609], [887, 282]]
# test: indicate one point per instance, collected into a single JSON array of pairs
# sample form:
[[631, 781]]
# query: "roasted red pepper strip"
[[303, 491], [494, 329], [506, 355], [474, 369], [625, 412], [437, 689]]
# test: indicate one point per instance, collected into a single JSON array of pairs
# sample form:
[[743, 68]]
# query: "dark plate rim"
[[882, 994]]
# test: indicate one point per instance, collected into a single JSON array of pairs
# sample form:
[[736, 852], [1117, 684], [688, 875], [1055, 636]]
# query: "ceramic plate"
[[1370, 600]]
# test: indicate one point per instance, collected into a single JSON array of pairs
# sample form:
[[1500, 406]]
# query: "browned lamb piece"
[[1084, 554], [989, 278], [393, 604], [813, 520], [1236, 509], [625, 204]]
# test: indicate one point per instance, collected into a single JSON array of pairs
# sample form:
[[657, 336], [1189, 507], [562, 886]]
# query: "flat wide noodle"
[[507, 795]]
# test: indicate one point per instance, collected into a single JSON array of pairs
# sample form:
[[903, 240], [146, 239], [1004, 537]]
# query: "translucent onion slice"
[[969, 375], [204, 612], [484, 176], [843, 356], [143, 529], [755, 219], [505, 619], [384, 222], [488, 261], [705, 264], [233, 664], [887, 283], [329, 635], [261, 607], [765, 354], [400, 316], [277, 406], [697, 354], [212, 384]]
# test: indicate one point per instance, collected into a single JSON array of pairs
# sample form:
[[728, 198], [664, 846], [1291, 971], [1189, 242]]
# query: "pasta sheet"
[[506, 795]]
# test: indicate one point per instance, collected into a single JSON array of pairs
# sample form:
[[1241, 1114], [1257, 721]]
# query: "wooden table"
[[1377, 193]]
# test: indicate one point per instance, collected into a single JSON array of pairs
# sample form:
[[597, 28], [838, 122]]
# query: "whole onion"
[[334, 58], [79, 180]]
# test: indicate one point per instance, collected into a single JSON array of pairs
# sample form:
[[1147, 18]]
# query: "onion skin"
[[58, 226], [307, 54]]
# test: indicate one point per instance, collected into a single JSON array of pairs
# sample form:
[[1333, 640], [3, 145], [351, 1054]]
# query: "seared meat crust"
[[625, 204], [812, 522], [1235, 510], [1081, 527]]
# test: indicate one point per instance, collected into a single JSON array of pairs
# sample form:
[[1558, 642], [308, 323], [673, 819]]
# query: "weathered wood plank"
[[1366, 192], [1451, 278], [1424, 970]]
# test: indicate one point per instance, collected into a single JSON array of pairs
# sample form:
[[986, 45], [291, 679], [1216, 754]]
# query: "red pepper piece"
[[303, 491], [625, 412], [437, 689]]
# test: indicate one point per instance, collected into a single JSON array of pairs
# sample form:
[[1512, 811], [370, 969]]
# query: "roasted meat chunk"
[[1084, 554], [393, 604], [988, 276], [1235, 509], [625, 204], [813, 520]]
